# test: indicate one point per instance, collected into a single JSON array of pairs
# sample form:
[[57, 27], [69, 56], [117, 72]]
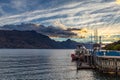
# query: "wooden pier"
[[105, 64]]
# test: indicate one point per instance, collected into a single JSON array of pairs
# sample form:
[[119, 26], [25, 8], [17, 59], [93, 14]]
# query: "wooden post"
[[116, 70]]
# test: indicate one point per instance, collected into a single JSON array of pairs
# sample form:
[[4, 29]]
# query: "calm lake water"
[[42, 64]]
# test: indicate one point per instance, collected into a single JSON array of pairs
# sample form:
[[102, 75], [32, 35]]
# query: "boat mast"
[[96, 36]]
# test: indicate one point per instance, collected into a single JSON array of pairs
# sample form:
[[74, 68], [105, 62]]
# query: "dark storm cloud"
[[75, 29], [49, 31], [56, 32]]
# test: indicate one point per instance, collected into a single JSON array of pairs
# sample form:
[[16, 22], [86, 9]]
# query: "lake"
[[43, 64]]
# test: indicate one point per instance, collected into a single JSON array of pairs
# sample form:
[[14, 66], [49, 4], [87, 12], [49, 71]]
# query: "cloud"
[[64, 14], [118, 1], [20, 5], [56, 32], [81, 13], [60, 25], [49, 30], [2, 12]]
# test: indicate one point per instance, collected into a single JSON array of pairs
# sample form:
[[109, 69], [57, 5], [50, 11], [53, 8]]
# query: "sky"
[[77, 17]]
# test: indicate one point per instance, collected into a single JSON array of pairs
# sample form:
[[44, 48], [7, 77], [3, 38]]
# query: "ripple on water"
[[42, 65]]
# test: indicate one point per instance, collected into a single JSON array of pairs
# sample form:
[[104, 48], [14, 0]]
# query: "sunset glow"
[[72, 19], [118, 1]]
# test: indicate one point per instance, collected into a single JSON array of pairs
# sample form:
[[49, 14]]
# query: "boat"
[[80, 51], [74, 57]]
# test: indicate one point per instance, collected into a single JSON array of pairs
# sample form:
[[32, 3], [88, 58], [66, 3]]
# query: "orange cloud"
[[82, 33], [118, 1]]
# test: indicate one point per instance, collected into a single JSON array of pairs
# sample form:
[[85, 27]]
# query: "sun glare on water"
[[118, 1]]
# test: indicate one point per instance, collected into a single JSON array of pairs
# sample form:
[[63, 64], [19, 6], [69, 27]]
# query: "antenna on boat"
[[100, 41], [91, 43], [97, 39], [96, 35]]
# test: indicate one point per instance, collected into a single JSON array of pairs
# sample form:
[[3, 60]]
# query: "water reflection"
[[43, 65]]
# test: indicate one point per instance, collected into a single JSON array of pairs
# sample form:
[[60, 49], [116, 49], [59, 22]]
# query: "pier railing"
[[104, 63], [107, 63]]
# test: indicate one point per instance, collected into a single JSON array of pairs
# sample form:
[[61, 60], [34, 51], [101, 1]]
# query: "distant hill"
[[32, 39], [113, 46]]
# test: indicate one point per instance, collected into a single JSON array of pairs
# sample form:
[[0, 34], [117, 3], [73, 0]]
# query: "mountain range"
[[46, 30], [32, 39], [31, 35]]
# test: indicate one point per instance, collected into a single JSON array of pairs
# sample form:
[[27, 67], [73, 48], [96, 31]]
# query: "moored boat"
[[79, 52]]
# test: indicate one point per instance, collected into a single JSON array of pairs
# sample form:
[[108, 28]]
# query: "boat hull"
[[74, 57]]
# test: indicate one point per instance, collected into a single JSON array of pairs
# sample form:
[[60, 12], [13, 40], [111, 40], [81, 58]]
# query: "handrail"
[[102, 62], [107, 63]]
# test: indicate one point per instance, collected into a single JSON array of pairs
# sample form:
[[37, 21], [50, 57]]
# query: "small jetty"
[[105, 61], [105, 64], [102, 60]]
